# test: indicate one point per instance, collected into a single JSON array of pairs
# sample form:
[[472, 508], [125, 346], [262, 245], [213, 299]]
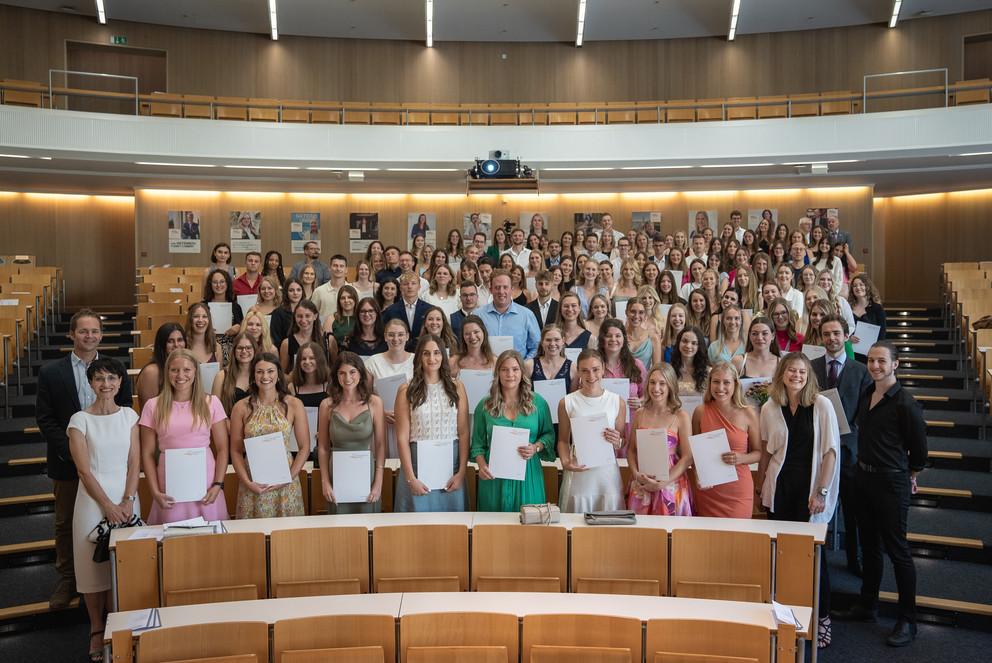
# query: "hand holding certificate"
[[707, 456], [589, 439], [267, 460], [352, 476], [505, 461], [434, 466], [222, 315], [652, 453], [866, 335], [185, 474]]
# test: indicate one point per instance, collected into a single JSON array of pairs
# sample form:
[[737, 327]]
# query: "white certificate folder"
[[351, 476], [267, 459], [185, 474]]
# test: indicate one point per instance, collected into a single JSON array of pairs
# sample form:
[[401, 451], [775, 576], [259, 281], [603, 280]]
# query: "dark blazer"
[[457, 320], [840, 237], [56, 402], [398, 310], [851, 384], [535, 308]]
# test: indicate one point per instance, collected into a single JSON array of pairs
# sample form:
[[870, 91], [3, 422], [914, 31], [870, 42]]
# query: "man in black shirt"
[[892, 450]]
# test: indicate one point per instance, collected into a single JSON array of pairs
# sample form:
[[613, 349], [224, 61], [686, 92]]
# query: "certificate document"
[[387, 388], [209, 371], [553, 391], [498, 344], [222, 315], [477, 384], [591, 448], [504, 460], [351, 477], [707, 449], [186, 474], [652, 452], [834, 397], [267, 459], [867, 334], [434, 466]]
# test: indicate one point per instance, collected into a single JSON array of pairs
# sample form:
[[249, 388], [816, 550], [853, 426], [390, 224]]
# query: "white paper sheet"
[[665, 308], [222, 314], [621, 309], [146, 533], [351, 476], [834, 397], [185, 474], [678, 278], [691, 402], [573, 354], [784, 615], [434, 466], [591, 448], [619, 386], [814, 351], [552, 391], [652, 452], [312, 425], [499, 344], [267, 459], [246, 302], [531, 283], [208, 371], [387, 388], [504, 461], [867, 334], [477, 384], [706, 451]]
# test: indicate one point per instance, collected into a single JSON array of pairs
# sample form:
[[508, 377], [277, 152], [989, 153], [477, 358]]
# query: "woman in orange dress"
[[724, 407]]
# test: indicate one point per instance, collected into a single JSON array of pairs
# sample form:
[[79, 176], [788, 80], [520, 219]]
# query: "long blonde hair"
[[674, 403], [737, 398], [265, 342], [525, 398], [777, 391], [198, 400]]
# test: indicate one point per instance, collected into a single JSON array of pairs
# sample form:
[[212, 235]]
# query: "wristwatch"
[[131, 498], [823, 492], [219, 484]]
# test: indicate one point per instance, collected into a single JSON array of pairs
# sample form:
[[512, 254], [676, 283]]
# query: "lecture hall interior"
[[495, 330]]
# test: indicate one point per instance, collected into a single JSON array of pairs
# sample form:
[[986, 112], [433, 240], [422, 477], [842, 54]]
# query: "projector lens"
[[490, 167]]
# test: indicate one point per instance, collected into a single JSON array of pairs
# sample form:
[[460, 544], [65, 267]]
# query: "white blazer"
[[826, 437]]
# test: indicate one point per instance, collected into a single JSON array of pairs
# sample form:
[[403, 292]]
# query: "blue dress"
[[583, 302]]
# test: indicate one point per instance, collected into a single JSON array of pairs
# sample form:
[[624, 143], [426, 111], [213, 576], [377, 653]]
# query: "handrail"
[[599, 110], [51, 96], [864, 84]]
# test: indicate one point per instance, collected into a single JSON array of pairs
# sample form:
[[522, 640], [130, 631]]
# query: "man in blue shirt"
[[504, 317]]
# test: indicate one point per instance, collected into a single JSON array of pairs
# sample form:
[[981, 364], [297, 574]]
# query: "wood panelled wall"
[[251, 65], [90, 237], [151, 212], [920, 232]]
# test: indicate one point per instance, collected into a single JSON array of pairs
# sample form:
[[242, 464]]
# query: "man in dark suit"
[[64, 390], [837, 236], [410, 308], [544, 308], [468, 294], [850, 378]]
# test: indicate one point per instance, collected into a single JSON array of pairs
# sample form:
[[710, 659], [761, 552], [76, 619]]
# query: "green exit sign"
[[119, 40]]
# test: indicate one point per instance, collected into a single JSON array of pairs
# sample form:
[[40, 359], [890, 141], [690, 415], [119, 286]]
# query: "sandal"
[[96, 655], [823, 633]]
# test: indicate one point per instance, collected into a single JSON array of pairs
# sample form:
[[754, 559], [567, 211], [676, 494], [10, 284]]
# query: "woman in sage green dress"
[[512, 403], [351, 419]]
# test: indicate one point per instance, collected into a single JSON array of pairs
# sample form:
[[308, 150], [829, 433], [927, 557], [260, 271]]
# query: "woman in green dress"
[[351, 419], [512, 403]]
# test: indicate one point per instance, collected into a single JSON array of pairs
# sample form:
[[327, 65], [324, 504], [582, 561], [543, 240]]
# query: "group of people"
[[375, 362]]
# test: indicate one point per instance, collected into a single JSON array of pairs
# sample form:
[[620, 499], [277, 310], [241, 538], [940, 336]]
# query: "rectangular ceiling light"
[[101, 14], [178, 165], [14, 156], [273, 20], [896, 6], [589, 168], [340, 168], [580, 28], [654, 167], [736, 165], [423, 170], [735, 10], [264, 167], [429, 20], [807, 163], [974, 154]]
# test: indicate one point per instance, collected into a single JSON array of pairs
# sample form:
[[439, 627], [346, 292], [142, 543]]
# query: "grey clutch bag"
[[623, 517]]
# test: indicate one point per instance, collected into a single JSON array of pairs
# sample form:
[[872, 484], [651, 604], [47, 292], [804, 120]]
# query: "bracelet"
[[219, 484]]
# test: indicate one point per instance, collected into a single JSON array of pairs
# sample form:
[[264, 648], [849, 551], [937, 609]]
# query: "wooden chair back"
[[620, 560], [650, 112], [356, 113], [213, 568], [200, 641], [581, 631], [458, 629], [479, 654], [778, 109], [166, 105], [263, 110], [499, 566], [137, 573], [561, 654], [503, 114], [167, 308], [709, 110], [141, 356], [838, 106], [325, 115], [31, 98], [742, 112], [625, 114], [198, 106], [794, 569], [231, 108], [673, 112], [318, 561], [671, 640], [153, 322], [712, 564], [322, 638], [299, 114], [964, 97], [420, 558]]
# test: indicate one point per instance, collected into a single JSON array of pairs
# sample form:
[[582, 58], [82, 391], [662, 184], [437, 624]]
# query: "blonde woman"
[[269, 294], [588, 285], [443, 293], [812, 294], [183, 416], [254, 325], [678, 317], [746, 286], [644, 344], [599, 312], [729, 340], [364, 284], [200, 337], [654, 318], [626, 287], [826, 281]]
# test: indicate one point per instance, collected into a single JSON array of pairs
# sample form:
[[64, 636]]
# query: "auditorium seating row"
[[712, 558], [479, 628], [967, 290], [30, 296], [158, 104]]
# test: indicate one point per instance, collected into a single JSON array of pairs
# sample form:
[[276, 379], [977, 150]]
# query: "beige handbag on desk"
[[539, 514]]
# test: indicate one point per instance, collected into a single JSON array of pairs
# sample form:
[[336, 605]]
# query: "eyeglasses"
[[244, 348], [780, 314], [367, 311]]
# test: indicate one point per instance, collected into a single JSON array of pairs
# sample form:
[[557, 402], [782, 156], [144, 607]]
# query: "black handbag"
[[101, 536]]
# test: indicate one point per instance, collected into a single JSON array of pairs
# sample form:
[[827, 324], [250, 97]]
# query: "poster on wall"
[[363, 229], [184, 231], [819, 215], [421, 224], [246, 231], [700, 220], [303, 227], [754, 217], [588, 222], [476, 222], [534, 223], [648, 223]]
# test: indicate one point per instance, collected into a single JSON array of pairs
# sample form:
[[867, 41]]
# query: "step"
[[19, 430], [951, 534], [956, 489], [954, 423], [32, 609], [960, 453], [896, 333], [28, 584], [936, 398]]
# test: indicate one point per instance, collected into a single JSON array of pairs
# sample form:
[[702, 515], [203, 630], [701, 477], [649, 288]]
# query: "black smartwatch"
[[219, 484]]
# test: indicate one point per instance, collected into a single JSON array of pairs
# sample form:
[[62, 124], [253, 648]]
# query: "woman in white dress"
[[584, 488], [394, 361], [103, 441]]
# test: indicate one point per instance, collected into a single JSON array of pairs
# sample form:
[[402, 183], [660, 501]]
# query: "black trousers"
[[792, 504], [883, 506], [849, 504]]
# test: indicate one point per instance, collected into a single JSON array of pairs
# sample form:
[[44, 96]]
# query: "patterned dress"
[[675, 499], [286, 500]]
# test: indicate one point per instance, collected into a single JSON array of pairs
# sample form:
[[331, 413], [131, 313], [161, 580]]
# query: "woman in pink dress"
[[724, 407], [182, 416], [619, 363], [661, 409]]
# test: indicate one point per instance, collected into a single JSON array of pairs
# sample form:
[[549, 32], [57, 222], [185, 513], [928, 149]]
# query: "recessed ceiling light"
[[273, 20], [339, 168], [580, 27], [180, 165], [264, 167], [974, 154], [736, 165], [654, 167], [812, 161], [589, 168], [14, 156], [896, 6], [735, 11], [101, 14], [423, 170], [429, 21]]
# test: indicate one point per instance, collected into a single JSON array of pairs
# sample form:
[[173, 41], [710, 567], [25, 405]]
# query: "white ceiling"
[[507, 20]]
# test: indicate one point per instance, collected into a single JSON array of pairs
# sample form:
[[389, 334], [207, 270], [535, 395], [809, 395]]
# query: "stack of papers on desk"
[[143, 620], [193, 526]]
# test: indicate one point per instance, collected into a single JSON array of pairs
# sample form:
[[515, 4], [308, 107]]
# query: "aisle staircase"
[[950, 520]]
